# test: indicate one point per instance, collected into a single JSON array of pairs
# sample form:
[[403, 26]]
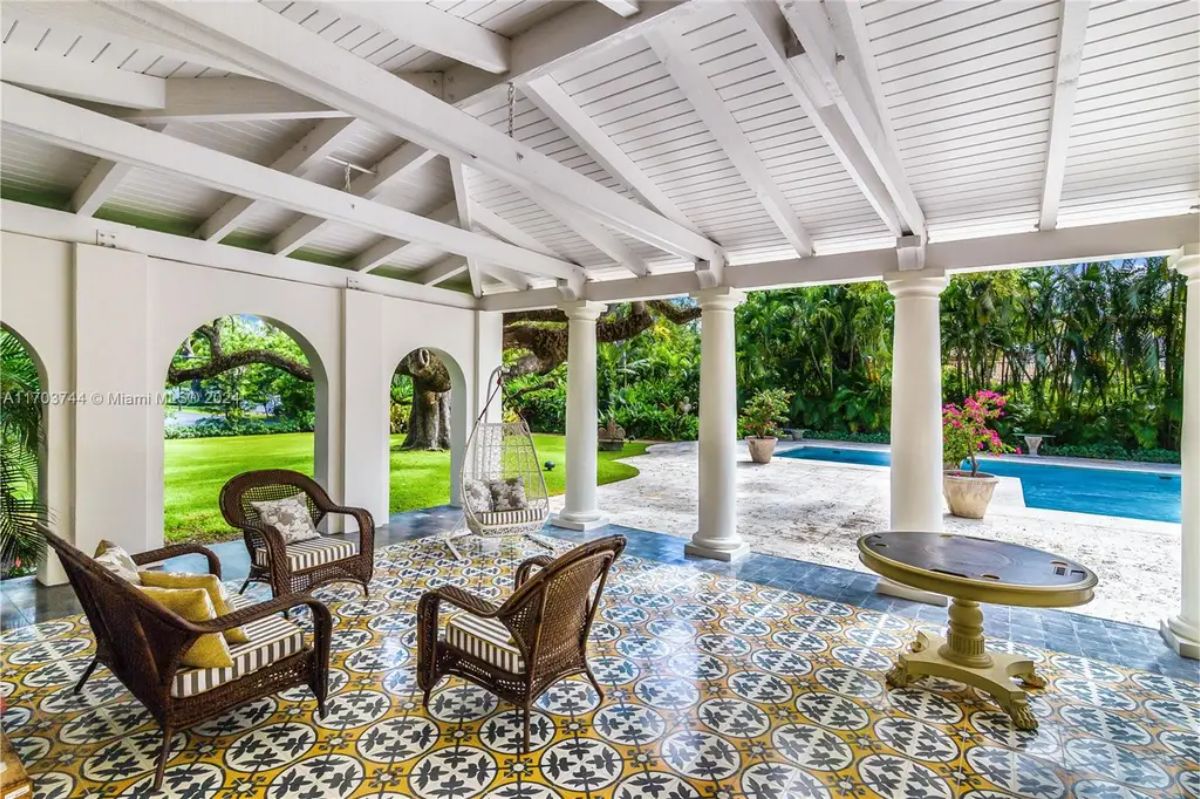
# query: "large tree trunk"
[[429, 418]]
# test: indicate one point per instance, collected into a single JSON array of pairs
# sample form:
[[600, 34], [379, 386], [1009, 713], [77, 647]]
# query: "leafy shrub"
[[883, 437], [398, 417], [1111, 452], [221, 428], [763, 414]]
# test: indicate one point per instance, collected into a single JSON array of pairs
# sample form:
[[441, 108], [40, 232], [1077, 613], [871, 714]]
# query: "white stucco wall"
[[106, 322]]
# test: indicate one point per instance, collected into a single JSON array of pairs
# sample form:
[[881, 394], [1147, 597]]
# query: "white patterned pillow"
[[478, 496], [508, 494], [114, 558], [289, 516]]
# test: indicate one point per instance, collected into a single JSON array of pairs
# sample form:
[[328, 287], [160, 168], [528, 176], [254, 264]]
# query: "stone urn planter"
[[611, 437], [968, 496], [761, 448]]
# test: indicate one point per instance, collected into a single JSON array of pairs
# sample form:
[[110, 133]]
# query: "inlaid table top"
[[978, 569]]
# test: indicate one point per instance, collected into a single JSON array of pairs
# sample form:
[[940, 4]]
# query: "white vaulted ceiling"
[[707, 132]]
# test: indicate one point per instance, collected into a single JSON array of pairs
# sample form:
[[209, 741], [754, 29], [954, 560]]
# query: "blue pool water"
[[1111, 492]]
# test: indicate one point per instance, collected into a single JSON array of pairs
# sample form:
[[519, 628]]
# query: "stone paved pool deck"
[[814, 511]]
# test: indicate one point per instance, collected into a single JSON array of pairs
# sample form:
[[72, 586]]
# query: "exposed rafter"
[[81, 80], [490, 220], [685, 69], [65, 125], [765, 24], [299, 160], [592, 232], [435, 30], [462, 201], [626, 8], [305, 62], [240, 99], [441, 271], [398, 165], [1071, 34], [545, 93], [832, 55], [100, 183], [387, 249]]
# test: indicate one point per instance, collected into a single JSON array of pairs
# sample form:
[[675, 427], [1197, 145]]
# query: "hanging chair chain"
[[512, 102]]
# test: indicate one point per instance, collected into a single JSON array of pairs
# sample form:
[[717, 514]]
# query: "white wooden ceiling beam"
[[387, 249], [81, 80], [89, 18], [47, 223], [299, 160], [288, 53], [626, 8], [832, 57], [462, 200], [592, 232], [490, 220], [398, 165], [434, 30], [69, 126], [100, 183], [1071, 35], [441, 271], [241, 99], [1103, 242], [545, 93], [764, 23], [669, 44]]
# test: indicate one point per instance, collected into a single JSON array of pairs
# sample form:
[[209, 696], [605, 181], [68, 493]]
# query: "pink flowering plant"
[[966, 430]]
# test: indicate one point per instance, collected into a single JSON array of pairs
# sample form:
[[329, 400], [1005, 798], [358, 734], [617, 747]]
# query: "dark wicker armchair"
[[304, 566], [141, 642], [537, 637]]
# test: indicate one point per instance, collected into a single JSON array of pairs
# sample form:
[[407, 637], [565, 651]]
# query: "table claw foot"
[[898, 676], [1032, 680], [1022, 716]]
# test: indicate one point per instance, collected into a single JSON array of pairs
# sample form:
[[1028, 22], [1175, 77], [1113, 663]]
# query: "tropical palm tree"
[[21, 545]]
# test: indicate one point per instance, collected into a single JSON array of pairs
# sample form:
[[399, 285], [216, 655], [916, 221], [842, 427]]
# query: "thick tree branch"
[[220, 361]]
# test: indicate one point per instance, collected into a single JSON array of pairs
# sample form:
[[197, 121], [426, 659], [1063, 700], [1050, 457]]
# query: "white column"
[[916, 473], [1182, 631], [717, 536], [580, 511]]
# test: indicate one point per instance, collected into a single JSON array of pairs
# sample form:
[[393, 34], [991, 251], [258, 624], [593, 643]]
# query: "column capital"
[[583, 310], [915, 283], [719, 298], [1186, 261]]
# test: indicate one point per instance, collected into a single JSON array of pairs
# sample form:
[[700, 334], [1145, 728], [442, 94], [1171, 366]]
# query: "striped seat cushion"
[[314, 552], [498, 518], [486, 639], [271, 640]]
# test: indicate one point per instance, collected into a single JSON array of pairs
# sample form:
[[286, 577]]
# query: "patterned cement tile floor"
[[716, 687]]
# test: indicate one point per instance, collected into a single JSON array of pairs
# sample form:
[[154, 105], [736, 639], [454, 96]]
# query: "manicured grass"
[[197, 468]]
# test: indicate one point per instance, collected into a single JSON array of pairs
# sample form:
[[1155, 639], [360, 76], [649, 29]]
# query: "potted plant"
[[761, 418], [966, 432]]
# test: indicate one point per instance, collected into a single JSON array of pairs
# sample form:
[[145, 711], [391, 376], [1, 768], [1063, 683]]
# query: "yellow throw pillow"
[[209, 651], [210, 583]]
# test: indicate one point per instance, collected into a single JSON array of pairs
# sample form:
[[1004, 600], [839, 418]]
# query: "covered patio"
[[380, 177]]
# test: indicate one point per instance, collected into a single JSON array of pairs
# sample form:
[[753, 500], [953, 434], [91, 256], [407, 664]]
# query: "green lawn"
[[196, 469]]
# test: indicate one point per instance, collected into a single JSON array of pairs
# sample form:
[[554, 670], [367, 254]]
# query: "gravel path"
[[814, 511]]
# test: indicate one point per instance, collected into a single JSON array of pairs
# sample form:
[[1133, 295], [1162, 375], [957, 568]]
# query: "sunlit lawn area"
[[197, 468]]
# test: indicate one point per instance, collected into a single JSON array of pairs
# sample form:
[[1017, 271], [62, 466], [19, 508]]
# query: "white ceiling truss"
[[505, 155]]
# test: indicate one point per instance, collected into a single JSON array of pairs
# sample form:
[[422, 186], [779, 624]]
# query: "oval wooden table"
[[970, 571]]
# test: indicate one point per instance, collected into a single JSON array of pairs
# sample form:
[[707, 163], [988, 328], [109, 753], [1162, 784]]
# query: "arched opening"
[[428, 428], [23, 461], [242, 392]]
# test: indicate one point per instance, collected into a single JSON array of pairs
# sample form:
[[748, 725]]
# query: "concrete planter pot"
[[761, 448], [968, 496]]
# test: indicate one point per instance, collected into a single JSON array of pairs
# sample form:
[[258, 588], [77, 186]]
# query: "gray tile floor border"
[[23, 602]]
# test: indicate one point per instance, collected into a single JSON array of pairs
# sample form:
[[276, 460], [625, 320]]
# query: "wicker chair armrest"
[[527, 566], [272, 538], [366, 525], [455, 596], [174, 551], [260, 611]]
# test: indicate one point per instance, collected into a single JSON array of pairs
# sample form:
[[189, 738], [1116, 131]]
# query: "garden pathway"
[[814, 511]]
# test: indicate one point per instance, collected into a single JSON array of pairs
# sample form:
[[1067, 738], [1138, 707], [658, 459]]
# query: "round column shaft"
[[717, 536], [580, 511], [1182, 631]]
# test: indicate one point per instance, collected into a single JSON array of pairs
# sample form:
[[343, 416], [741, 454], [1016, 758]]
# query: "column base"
[[580, 522], [1184, 647], [892, 588], [694, 550]]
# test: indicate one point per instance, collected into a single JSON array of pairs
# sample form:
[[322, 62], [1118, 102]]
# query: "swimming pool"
[[1081, 489]]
